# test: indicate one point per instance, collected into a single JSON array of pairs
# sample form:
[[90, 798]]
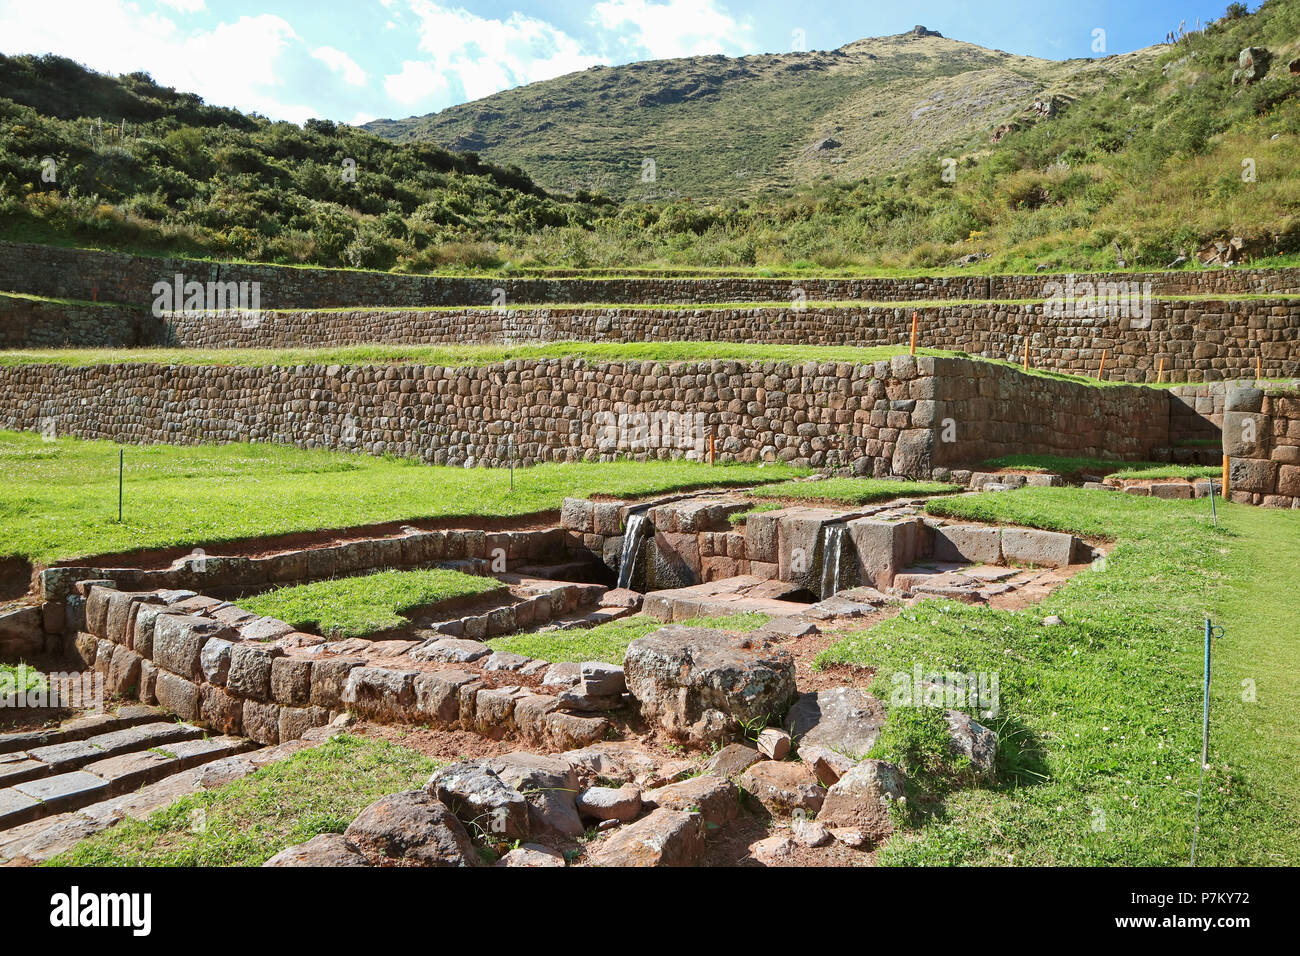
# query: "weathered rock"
[[811, 833], [732, 760], [607, 803], [328, 849], [699, 683], [842, 719], [973, 740], [773, 743], [716, 799], [827, 765], [862, 798], [662, 838], [550, 785], [1048, 549], [451, 650], [215, 661], [597, 679], [481, 800], [783, 787], [412, 828], [532, 854], [773, 851]]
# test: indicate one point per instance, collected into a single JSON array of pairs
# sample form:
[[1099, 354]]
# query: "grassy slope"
[[741, 125], [250, 820], [1100, 716], [59, 499], [367, 604]]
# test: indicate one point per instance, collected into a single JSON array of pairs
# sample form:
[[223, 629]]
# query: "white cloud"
[[674, 28], [476, 56], [185, 6], [233, 64], [340, 62]]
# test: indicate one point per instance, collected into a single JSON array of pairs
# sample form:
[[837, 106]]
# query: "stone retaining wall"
[[1261, 437], [118, 277], [906, 416], [1197, 341], [29, 324], [207, 661]]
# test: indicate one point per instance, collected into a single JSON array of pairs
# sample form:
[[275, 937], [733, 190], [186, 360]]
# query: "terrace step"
[[221, 761], [128, 751], [79, 728]]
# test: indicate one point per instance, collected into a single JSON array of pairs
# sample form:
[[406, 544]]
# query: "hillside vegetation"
[[1131, 161]]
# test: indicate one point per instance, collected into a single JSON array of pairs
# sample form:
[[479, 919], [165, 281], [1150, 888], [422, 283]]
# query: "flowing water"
[[832, 549], [632, 538]]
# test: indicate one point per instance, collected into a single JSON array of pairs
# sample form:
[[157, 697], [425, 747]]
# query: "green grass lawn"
[[248, 821], [59, 499], [1100, 466], [366, 604], [1100, 716], [608, 642], [850, 491]]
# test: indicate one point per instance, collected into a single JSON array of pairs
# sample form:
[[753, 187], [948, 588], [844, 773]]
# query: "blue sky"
[[356, 60]]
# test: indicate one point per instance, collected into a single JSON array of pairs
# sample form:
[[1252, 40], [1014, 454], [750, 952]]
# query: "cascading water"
[[632, 538], [832, 548]]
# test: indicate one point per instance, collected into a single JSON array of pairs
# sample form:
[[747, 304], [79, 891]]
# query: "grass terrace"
[[608, 642], [248, 821], [1100, 716], [849, 491], [59, 498], [1100, 466], [367, 604]]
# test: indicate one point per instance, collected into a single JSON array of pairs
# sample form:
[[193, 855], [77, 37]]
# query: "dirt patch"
[[15, 578]]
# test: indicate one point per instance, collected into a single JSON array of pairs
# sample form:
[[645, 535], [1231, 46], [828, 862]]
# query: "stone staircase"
[[91, 759]]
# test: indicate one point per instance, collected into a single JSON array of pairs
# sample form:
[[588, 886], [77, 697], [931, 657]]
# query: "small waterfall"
[[832, 548], [632, 538]]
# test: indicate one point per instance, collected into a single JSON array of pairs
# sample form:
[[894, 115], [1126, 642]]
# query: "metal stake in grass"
[[121, 459], [1211, 631]]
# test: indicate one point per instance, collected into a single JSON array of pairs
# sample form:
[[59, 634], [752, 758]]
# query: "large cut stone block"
[[884, 548], [699, 683], [1045, 549], [968, 542]]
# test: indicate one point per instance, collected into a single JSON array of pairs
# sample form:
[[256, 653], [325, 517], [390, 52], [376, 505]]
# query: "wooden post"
[[1026, 362], [1160, 377], [1224, 492], [913, 333], [1259, 367], [711, 441], [1102, 369]]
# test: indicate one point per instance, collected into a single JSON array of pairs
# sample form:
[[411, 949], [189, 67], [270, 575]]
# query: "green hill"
[[897, 154], [718, 126]]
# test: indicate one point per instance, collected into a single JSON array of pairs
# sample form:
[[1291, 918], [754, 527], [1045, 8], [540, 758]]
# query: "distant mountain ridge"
[[717, 126]]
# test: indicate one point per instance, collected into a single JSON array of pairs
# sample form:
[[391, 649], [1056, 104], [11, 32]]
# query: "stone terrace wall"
[[1261, 437], [994, 410], [1202, 340], [28, 324], [882, 417], [118, 277]]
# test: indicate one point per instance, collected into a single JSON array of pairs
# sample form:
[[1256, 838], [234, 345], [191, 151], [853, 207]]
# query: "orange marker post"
[[1102, 370], [1160, 376], [1259, 367], [913, 333], [1223, 493], [1026, 363], [711, 441]]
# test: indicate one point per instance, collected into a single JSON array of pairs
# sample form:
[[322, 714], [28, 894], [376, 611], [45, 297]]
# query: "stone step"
[[129, 771], [43, 837], [78, 753], [79, 728]]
